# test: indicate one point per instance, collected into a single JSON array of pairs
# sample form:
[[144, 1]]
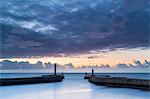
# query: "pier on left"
[[32, 80]]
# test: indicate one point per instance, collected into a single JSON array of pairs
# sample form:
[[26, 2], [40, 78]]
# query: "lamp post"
[[55, 68], [92, 72]]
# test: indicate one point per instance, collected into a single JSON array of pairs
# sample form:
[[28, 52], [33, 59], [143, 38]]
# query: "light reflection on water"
[[73, 87]]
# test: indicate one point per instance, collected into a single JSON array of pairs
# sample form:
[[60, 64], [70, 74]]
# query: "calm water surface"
[[73, 87]]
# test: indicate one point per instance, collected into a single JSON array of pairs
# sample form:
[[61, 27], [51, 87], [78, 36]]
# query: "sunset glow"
[[112, 58]]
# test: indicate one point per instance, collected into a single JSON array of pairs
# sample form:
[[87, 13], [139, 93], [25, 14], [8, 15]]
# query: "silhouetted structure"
[[87, 76], [120, 82], [31, 80], [92, 72], [55, 69]]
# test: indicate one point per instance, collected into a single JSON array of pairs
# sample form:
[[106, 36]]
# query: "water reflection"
[[73, 87]]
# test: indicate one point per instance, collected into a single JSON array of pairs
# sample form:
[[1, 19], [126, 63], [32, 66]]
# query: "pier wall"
[[121, 82]]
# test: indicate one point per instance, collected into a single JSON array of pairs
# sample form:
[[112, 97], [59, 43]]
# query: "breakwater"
[[107, 80], [31, 80]]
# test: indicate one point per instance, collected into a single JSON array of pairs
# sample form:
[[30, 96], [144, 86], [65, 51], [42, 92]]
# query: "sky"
[[82, 32]]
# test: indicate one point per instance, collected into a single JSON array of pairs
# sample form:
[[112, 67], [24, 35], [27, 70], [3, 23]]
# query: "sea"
[[72, 87]]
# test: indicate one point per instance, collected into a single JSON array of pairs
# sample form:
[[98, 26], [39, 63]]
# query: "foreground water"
[[73, 87]]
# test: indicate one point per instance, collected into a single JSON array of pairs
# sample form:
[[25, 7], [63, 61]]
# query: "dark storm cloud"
[[37, 28]]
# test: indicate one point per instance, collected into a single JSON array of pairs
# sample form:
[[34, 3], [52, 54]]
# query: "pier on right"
[[107, 80]]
